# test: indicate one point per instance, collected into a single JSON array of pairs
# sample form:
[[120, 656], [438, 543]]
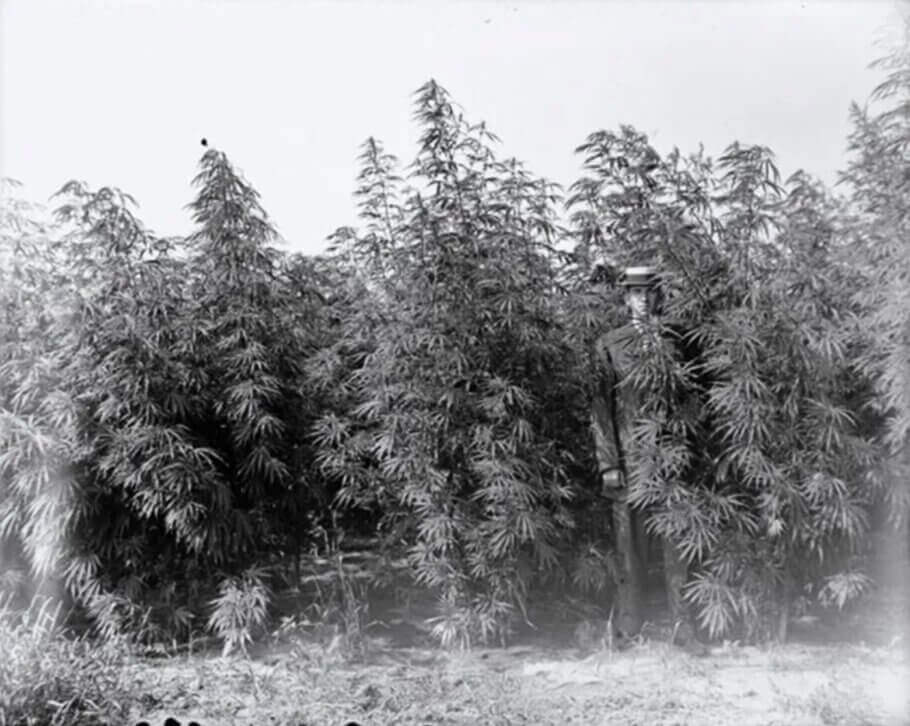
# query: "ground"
[[299, 682]]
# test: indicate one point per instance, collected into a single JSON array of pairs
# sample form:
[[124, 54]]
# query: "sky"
[[120, 93]]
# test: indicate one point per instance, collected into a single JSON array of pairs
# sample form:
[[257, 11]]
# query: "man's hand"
[[612, 483]]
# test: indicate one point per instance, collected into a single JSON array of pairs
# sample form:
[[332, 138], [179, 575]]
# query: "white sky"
[[120, 93]]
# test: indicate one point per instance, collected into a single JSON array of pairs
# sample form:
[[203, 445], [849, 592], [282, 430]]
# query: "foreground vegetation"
[[48, 677], [790, 686], [307, 676]]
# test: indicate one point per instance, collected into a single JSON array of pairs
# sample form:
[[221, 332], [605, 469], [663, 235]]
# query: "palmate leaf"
[[715, 602], [843, 587], [240, 608]]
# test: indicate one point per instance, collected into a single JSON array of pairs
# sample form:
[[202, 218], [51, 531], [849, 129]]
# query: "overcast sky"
[[120, 93]]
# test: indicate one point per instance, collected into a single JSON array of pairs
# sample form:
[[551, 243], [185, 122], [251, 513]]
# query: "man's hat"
[[638, 277]]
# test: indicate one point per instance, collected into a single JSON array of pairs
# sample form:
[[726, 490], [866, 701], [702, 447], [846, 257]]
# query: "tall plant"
[[747, 455], [878, 180], [167, 413], [461, 414]]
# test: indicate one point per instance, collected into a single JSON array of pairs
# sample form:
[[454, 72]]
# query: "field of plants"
[[239, 485]]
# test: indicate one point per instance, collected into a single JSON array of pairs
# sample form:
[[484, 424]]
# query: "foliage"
[[36, 479], [47, 678], [878, 179], [460, 417], [240, 609], [179, 412], [749, 452], [156, 427], [844, 587]]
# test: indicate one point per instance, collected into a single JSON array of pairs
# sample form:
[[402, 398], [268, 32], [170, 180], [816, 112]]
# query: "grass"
[[299, 680], [48, 678], [649, 684]]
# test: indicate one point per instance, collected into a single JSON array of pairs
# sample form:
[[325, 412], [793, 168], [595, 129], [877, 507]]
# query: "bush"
[[49, 678], [458, 418], [752, 446], [153, 426]]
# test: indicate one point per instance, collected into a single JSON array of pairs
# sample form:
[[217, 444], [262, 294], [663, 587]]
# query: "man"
[[615, 406]]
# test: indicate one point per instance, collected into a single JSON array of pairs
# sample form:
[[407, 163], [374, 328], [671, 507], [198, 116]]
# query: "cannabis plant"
[[459, 413], [156, 425], [878, 179], [747, 459]]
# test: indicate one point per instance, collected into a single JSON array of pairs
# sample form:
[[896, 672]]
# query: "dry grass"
[[305, 679], [649, 684], [48, 678]]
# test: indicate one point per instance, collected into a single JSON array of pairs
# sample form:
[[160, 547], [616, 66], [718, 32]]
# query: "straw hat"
[[638, 276]]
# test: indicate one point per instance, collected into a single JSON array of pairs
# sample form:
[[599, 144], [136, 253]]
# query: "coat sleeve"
[[604, 414]]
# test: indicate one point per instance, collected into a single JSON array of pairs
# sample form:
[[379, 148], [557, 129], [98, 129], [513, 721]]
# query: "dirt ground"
[[306, 684]]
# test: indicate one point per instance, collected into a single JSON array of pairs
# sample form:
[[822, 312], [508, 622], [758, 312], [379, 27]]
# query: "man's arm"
[[604, 427]]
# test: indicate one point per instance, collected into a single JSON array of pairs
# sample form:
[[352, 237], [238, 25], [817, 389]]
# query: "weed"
[[49, 678]]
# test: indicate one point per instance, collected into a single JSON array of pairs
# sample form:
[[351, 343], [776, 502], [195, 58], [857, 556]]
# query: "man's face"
[[637, 299]]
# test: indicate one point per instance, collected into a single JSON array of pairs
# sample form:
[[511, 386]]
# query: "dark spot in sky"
[[204, 142]]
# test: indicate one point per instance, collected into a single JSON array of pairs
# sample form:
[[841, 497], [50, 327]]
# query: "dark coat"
[[614, 406]]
